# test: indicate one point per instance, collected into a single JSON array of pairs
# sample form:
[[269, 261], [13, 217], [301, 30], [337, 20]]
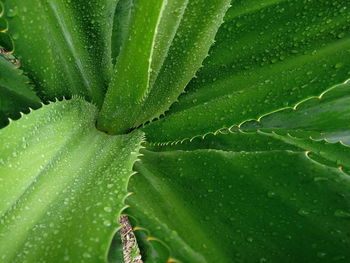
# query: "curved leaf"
[[65, 46], [325, 117], [267, 56], [121, 24], [210, 206], [63, 185], [320, 125], [332, 154], [185, 56], [145, 86], [5, 40], [236, 141], [132, 77], [15, 92]]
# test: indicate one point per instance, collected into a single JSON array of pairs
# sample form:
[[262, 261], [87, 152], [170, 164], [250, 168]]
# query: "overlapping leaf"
[[334, 154], [63, 185], [146, 44], [267, 56], [324, 117], [276, 193], [320, 125], [161, 54], [15, 93], [121, 24], [65, 46], [229, 141], [210, 205]]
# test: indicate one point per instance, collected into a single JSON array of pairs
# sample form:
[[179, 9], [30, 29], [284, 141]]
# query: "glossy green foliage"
[[332, 154], [228, 141], [62, 185], [121, 24], [329, 153], [217, 206], [16, 94], [65, 46], [326, 116], [320, 125], [268, 55], [5, 39], [131, 80], [144, 87], [247, 162]]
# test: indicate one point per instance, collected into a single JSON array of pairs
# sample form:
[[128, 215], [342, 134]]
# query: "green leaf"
[[173, 47], [5, 40], [3, 24], [319, 124], [121, 24], [131, 80], [15, 93], [190, 46], [115, 254], [229, 141], [210, 206], [325, 117], [267, 56], [63, 185], [332, 154], [65, 46]]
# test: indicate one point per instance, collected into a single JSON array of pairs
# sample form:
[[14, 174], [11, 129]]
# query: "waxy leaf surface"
[[212, 205], [65, 46], [63, 185], [16, 94], [267, 56]]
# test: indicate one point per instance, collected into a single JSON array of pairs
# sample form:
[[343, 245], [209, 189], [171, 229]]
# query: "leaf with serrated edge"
[[207, 205], [325, 117], [228, 141], [121, 24], [147, 40], [332, 154], [319, 124], [184, 52], [15, 93], [253, 70], [337, 154], [67, 48], [63, 185]]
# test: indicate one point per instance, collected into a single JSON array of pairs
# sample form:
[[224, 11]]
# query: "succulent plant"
[[221, 128]]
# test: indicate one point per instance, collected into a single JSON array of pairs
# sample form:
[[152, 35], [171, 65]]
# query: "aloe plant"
[[231, 115]]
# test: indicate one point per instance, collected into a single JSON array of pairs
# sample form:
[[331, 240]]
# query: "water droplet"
[[341, 35], [339, 65], [303, 212], [342, 214], [107, 223], [271, 194], [107, 209], [321, 254], [86, 255]]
